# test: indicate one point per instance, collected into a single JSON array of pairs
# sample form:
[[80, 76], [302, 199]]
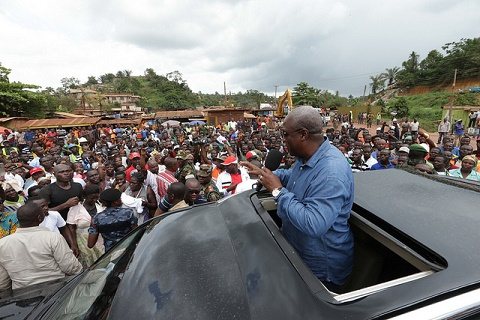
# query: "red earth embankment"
[[464, 84]]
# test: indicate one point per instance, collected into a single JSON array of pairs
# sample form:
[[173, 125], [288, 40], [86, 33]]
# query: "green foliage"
[[17, 99], [70, 83], [427, 108], [378, 83], [303, 94], [400, 105], [438, 68]]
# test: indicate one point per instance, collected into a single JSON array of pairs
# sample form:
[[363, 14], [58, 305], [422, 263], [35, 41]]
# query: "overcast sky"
[[333, 45]]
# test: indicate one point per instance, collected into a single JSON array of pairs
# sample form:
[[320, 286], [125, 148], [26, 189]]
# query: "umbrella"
[[172, 123], [195, 122]]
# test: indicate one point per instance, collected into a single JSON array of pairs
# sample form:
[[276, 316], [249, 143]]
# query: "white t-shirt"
[[414, 126], [53, 221]]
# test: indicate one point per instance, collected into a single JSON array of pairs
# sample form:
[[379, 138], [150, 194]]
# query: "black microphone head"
[[273, 160]]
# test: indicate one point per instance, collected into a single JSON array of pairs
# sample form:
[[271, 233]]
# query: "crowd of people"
[[91, 185]]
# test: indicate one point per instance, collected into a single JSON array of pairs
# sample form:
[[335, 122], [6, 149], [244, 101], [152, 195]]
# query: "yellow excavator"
[[287, 96]]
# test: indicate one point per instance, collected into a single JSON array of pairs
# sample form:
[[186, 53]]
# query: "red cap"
[[230, 160], [35, 170], [251, 154], [134, 155]]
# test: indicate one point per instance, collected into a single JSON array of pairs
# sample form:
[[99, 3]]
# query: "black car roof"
[[223, 258], [434, 212]]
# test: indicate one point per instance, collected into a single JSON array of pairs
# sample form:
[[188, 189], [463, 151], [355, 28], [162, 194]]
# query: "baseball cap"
[[134, 155], [404, 149], [251, 154], [35, 170], [417, 147], [230, 160]]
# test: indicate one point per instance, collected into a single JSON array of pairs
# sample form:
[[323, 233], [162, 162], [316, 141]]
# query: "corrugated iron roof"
[[67, 123], [70, 115], [121, 121], [11, 118], [179, 114]]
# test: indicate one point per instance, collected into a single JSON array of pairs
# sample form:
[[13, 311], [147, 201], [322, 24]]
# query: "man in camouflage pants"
[[208, 187]]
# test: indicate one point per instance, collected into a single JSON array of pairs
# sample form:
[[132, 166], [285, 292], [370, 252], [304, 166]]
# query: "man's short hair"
[[306, 117], [28, 213], [178, 190]]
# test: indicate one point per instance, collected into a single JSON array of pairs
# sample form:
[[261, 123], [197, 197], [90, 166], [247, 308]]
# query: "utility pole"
[[364, 93], [275, 100], [225, 92], [453, 97]]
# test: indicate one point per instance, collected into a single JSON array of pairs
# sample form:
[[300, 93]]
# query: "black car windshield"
[[91, 296]]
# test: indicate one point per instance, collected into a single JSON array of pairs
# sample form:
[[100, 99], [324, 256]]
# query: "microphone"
[[272, 162]]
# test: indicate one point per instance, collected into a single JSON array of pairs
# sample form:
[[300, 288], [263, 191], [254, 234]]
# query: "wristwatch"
[[276, 192]]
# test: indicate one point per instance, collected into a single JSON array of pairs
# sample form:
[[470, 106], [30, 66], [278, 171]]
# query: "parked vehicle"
[[416, 257], [475, 89]]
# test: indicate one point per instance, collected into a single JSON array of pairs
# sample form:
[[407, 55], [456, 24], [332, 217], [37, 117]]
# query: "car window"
[[92, 295]]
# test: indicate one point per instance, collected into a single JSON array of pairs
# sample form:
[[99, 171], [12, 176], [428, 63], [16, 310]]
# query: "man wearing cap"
[[416, 156], [251, 155], [185, 168], [134, 162], [229, 179], [209, 189], [35, 174], [113, 223], [75, 153]]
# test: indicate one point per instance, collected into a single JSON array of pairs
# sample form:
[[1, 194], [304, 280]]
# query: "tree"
[[107, 78], [411, 65], [4, 72], [378, 83], [91, 80], [17, 99], [390, 75], [401, 106], [70, 83]]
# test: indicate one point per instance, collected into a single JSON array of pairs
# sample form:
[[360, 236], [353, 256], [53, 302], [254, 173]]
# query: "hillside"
[[464, 84]]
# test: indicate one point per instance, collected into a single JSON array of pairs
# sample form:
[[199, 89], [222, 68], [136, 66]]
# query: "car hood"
[[31, 301]]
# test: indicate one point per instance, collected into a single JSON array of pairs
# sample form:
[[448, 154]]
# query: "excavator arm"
[[287, 96]]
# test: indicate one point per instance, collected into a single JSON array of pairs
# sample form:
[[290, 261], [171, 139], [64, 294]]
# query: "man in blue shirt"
[[314, 198], [383, 161]]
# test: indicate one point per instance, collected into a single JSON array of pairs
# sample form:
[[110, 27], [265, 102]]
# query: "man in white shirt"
[[54, 221], [34, 254], [228, 180]]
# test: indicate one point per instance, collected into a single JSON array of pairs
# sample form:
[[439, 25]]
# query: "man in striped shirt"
[[167, 177]]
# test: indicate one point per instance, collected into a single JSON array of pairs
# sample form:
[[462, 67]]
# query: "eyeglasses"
[[193, 191], [425, 171], [285, 134]]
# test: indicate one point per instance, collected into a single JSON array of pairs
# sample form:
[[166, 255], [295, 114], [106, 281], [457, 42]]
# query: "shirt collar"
[[318, 155], [31, 229]]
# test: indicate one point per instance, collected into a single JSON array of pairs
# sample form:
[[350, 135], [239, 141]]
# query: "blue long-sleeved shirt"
[[314, 206]]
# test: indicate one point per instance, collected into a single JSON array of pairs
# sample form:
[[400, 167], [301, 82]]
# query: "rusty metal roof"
[[179, 114], [121, 121], [53, 123]]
